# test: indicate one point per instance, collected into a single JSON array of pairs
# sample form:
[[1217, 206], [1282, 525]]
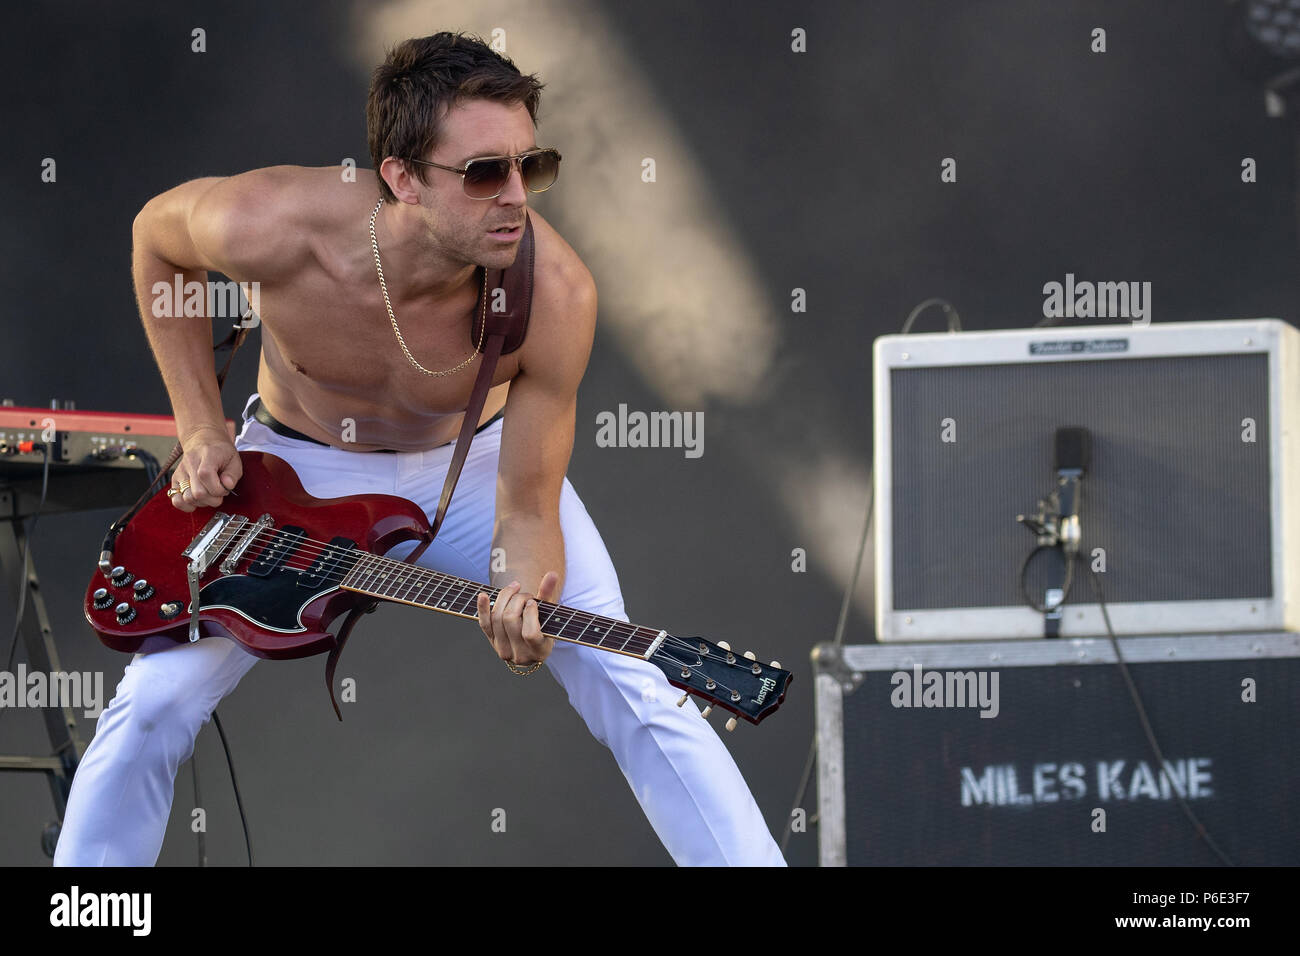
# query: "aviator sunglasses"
[[486, 176]]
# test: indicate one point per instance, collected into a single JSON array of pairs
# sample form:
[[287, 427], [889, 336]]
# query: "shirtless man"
[[332, 349]]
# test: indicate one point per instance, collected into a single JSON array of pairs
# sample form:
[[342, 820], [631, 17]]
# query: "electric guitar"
[[272, 567]]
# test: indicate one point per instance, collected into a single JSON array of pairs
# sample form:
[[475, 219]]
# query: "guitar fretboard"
[[393, 580]]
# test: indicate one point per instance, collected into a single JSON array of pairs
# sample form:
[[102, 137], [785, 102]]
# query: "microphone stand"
[[1047, 527]]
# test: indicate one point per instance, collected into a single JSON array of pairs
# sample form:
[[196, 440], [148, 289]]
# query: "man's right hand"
[[210, 466]]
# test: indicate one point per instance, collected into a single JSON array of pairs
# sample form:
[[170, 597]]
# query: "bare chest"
[[329, 345]]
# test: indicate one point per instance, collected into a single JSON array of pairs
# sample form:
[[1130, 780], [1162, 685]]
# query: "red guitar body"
[[269, 567], [278, 615]]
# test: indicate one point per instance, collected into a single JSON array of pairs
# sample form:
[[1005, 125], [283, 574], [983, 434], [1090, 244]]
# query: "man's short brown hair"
[[424, 77]]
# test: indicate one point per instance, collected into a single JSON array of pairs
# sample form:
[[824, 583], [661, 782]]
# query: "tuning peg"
[[749, 656], [706, 711], [776, 664], [724, 645], [731, 724], [685, 698]]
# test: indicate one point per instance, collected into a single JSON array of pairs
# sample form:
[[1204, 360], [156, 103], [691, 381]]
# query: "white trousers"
[[681, 773]]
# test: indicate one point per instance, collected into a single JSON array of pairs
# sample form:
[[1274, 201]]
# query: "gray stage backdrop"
[[775, 170]]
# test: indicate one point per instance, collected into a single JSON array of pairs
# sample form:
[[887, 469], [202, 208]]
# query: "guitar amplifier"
[[1027, 753], [1190, 506]]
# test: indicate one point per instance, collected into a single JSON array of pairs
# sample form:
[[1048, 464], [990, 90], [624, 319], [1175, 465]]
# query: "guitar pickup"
[[274, 554], [331, 560]]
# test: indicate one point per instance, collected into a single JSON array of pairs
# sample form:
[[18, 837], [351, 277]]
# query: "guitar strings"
[[333, 558], [331, 570], [691, 667]]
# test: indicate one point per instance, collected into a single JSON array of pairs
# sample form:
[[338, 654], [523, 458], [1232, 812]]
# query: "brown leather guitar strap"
[[507, 323]]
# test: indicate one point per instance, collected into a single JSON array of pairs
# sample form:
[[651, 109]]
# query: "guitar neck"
[[737, 683], [391, 580]]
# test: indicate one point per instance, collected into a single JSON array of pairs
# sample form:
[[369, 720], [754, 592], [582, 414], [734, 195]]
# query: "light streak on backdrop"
[[679, 295]]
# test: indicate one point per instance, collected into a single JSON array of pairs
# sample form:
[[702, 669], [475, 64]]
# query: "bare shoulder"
[[264, 224], [562, 321]]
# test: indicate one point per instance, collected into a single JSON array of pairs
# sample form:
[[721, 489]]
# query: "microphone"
[[1073, 456]]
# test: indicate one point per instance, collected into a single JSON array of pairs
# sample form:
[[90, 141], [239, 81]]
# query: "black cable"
[[838, 641], [1069, 578], [954, 320], [857, 564], [151, 464], [248, 843], [116, 528], [954, 325], [27, 550], [155, 470], [198, 802], [1201, 831], [803, 789], [152, 469]]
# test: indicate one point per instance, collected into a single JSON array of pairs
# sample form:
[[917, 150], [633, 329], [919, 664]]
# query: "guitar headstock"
[[734, 682]]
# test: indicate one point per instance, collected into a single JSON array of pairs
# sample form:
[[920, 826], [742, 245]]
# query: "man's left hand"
[[511, 623]]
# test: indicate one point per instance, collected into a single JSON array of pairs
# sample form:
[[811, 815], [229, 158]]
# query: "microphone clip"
[[1056, 523], [1045, 523]]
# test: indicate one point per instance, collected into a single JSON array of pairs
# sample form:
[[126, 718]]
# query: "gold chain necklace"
[[374, 244]]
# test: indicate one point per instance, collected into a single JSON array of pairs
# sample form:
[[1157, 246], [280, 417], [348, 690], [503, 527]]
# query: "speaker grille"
[[1177, 499]]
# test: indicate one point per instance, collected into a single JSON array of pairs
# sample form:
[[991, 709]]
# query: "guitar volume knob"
[[102, 598], [125, 613], [143, 590], [121, 577]]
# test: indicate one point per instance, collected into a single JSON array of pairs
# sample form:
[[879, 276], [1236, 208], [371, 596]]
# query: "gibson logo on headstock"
[[768, 684]]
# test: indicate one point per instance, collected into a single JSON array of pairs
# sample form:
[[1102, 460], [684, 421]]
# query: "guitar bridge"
[[212, 540], [228, 566]]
